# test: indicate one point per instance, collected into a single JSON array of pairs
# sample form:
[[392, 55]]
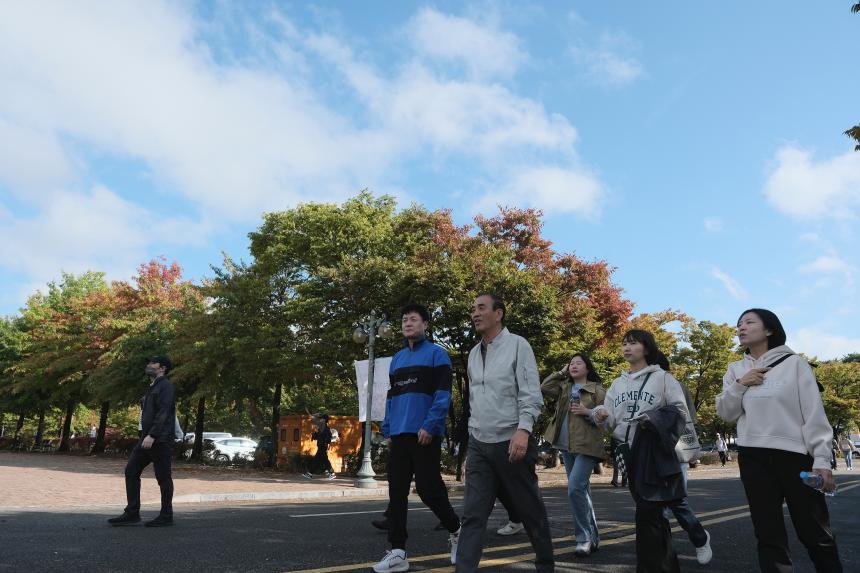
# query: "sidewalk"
[[36, 480]]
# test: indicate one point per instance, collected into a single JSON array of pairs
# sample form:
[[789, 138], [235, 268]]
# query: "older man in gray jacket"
[[505, 401]]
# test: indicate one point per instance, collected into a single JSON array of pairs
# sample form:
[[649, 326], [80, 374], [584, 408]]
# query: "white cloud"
[[484, 50], [730, 284], [32, 161], [804, 188], [609, 61], [821, 343], [552, 189], [713, 224], [236, 134], [828, 264], [97, 230]]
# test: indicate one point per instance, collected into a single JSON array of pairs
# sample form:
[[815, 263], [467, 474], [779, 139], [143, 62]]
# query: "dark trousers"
[[722, 457], [159, 455], [654, 550], [406, 458], [508, 504], [321, 461], [771, 477], [488, 469]]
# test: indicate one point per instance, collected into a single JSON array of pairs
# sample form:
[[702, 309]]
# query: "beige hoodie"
[[661, 390], [784, 413]]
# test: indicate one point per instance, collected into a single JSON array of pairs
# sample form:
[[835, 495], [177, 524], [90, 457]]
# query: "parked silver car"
[[224, 450]]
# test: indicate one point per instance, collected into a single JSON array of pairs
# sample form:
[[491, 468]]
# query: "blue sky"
[[696, 147]]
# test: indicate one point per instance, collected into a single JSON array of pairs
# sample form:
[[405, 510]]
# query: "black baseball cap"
[[161, 360]]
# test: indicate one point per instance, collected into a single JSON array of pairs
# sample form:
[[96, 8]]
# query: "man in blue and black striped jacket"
[[415, 411]]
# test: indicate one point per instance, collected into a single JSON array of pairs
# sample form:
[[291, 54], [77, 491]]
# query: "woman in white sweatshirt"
[[773, 396], [646, 386]]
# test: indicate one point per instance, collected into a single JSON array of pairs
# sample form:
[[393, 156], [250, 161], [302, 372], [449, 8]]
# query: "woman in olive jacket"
[[578, 389]]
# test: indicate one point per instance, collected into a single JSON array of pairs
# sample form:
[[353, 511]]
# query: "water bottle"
[[815, 481]]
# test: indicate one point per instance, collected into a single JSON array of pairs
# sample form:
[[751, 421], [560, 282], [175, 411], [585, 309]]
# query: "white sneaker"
[[453, 541], [510, 528], [583, 549], [704, 553], [332, 476], [394, 560]]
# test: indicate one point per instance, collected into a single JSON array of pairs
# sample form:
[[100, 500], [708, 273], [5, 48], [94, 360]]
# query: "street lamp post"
[[367, 331]]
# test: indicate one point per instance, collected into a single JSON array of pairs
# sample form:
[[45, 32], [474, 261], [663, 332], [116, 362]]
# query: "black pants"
[[508, 504], [159, 455], [320, 461], [654, 550], [406, 459], [722, 457], [488, 468], [771, 477], [504, 498]]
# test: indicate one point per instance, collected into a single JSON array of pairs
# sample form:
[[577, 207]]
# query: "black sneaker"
[[380, 523], [125, 519], [160, 521]]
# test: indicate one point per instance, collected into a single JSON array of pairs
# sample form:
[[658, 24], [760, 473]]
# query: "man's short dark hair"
[[161, 360], [497, 303], [420, 309]]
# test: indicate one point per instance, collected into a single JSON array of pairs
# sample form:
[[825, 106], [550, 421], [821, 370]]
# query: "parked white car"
[[189, 436], [225, 449]]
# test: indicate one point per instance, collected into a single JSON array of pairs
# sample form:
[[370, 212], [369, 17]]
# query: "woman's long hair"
[[652, 353], [592, 375]]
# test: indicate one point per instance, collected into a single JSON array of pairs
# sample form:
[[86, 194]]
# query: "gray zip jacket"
[[504, 390]]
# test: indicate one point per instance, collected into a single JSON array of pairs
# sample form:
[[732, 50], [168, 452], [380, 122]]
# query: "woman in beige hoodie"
[[773, 396]]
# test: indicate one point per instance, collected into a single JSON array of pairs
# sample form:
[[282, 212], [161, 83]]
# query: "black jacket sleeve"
[[163, 423]]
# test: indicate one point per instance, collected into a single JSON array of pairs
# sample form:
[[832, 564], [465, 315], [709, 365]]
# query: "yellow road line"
[[500, 561]]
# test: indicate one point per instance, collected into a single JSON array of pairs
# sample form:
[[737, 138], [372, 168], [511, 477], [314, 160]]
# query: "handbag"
[[688, 447], [621, 455]]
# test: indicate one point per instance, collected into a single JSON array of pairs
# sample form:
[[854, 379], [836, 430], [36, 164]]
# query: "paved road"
[[332, 537]]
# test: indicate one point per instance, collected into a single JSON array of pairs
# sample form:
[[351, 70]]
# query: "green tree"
[[57, 356], [841, 396], [700, 361]]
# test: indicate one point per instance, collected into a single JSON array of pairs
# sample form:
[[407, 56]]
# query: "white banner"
[[380, 387]]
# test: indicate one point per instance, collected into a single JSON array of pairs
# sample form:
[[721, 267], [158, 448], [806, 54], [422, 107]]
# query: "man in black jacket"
[[157, 432]]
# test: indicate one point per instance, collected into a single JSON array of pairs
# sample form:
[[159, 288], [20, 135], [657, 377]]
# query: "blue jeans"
[[579, 468], [686, 518], [848, 460]]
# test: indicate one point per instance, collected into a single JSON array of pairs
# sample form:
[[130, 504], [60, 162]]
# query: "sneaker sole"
[[125, 523]]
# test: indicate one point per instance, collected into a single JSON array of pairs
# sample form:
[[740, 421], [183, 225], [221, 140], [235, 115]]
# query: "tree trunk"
[[67, 426], [19, 425], [197, 452], [40, 428], [99, 446], [276, 418]]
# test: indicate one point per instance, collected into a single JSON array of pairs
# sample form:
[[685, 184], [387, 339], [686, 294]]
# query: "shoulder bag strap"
[[779, 360]]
